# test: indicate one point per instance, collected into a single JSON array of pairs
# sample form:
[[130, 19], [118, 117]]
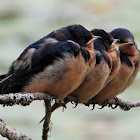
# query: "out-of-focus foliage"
[[23, 22]]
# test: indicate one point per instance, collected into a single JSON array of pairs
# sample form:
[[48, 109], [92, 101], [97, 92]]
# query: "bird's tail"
[[4, 81], [2, 76]]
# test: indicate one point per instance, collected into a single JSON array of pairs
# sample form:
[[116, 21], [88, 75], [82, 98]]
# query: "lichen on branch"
[[11, 133]]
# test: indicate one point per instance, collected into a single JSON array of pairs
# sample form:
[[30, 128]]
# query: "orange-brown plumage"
[[95, 80], [75, 72], [56, 64], [115, 59], [130, 65]]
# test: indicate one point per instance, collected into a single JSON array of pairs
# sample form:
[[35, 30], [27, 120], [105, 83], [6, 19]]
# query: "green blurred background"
[[24, 22]]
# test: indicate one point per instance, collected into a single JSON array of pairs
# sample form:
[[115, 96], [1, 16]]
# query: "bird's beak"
[[131, 43], [90, 43], [93, 38], [116, 40], [115, 44]]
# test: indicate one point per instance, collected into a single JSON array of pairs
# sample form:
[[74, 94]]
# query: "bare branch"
[[115, 102], [124, 105], [27, 98], [11, 133], [22, 99], [46, 125]]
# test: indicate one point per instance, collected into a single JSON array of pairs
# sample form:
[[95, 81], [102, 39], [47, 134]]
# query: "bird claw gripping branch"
[[111, 104], [105, 103], [92, 102]]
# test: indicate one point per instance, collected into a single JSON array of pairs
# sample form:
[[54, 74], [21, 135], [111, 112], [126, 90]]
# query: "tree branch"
[[27, 98], [22, 99], [46, 125], [124, 105], [11, 133]]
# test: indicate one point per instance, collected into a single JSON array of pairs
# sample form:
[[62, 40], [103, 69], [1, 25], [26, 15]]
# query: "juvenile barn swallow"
[[102, 71], [95, 80], [130, 65], [56, 64]]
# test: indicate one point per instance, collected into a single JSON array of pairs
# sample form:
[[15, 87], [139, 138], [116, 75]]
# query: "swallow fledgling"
[[130, 65], [56, 64], [96, 79]]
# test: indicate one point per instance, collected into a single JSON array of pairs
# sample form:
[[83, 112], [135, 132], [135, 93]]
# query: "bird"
[[95, 80], [130, 65], [56, 64]]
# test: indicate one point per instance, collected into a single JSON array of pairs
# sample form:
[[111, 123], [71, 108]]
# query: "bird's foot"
[[92, 102], [116, 103], [72, 102], [105, 103], [123, 106], [76, 104], [59, 101]]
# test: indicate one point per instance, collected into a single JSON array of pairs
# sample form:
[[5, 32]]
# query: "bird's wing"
[[2, 76], [33, 60]]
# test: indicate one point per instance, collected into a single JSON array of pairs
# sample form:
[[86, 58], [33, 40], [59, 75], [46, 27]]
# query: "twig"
[[22, 99], [46, 125], [115, 102], [11, 133], [27, 98], [124, 105]]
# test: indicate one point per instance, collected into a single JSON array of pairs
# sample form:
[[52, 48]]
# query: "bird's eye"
[[83, 39], [107, 41]]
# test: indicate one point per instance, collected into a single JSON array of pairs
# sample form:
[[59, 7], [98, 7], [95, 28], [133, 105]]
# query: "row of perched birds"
[[92, 66]]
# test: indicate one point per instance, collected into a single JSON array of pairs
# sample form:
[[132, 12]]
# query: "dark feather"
[[99, 57], [85, 54], [44, 52], [122, 34], [124, 59], [2, 76], [41, 58]]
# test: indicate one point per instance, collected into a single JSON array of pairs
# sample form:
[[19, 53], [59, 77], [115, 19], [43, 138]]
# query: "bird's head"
[[105, 40], [81, 35], [126, 41]]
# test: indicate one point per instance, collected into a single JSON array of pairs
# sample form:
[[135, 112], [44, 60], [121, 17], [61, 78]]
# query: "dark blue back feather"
[[42, 57]]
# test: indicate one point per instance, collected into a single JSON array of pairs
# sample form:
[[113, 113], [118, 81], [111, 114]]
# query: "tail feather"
[[4, 82], [2, 76]]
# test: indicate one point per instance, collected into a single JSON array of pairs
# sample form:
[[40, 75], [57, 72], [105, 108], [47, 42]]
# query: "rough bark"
[[11, 133], [22, 99], [46, 125], [27, 98]]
